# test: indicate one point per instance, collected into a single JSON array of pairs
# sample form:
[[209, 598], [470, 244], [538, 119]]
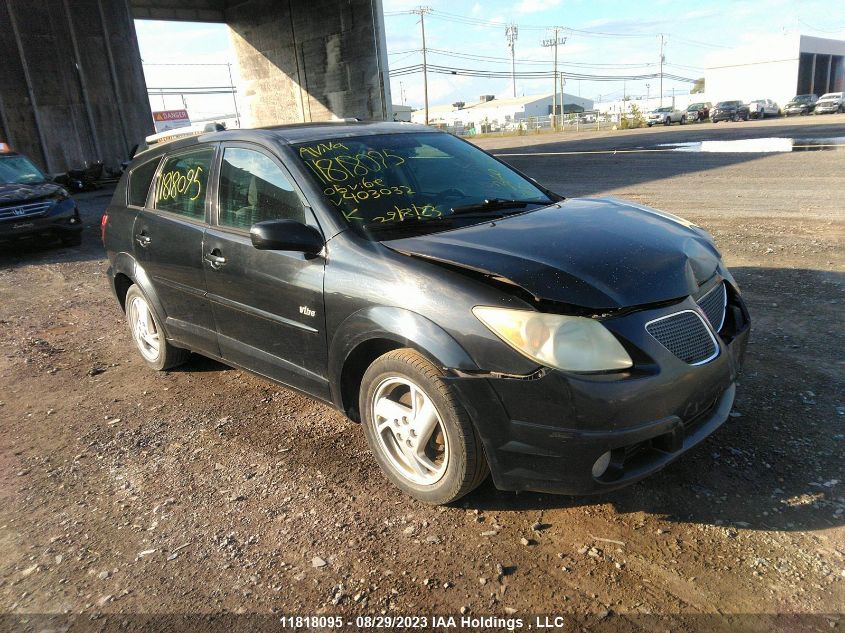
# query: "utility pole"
[[662, 59], [234, 97], [421, 11], [553, 42], [511, 32]]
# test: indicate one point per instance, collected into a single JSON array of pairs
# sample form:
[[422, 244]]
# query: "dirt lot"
[[207, 489]]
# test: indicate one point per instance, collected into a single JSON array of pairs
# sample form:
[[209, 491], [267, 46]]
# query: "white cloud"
[[476, 8]]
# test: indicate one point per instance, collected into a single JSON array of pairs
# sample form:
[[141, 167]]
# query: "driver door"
[[268, 305]]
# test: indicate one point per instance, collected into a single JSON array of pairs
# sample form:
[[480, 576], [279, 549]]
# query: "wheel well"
[[122, 284], [353, 371]]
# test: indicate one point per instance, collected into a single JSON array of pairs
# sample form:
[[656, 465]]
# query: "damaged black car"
[[474, 322]]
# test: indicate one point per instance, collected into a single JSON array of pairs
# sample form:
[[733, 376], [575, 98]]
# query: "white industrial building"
[[489, 110], [784, 66]]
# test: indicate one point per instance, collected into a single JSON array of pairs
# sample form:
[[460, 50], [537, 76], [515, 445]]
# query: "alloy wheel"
[[144, 329], [409, 431]]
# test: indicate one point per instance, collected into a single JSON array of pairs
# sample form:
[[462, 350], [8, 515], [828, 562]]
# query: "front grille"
[[685, 335], [713, 304], [25, 210]]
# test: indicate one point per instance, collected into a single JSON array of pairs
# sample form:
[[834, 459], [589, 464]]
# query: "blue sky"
[[694, 32]]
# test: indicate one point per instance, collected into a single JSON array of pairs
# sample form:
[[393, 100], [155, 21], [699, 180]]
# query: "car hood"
[[11, 193], [595, 253]]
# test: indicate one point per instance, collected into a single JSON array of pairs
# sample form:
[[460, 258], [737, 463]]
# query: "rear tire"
[[420, 435], [149, 336]]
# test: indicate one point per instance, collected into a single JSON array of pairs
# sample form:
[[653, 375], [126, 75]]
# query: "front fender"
[[406, 328]]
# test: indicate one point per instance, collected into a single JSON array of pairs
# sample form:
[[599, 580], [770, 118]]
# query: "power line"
[[480, 22], [540, 74]]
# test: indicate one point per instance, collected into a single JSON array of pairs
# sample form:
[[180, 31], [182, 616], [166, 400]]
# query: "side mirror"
[[286, 235]]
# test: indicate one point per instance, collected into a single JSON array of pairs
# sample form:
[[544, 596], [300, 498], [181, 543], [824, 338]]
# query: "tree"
[[698, 86]]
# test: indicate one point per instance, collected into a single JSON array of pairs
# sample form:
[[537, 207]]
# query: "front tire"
[[149, 337], [418, 432]]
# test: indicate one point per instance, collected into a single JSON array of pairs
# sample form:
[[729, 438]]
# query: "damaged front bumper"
[[560, 432]]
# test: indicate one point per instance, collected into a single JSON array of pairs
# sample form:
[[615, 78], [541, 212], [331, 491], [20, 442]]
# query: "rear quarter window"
[[140, 179], [182, 183]]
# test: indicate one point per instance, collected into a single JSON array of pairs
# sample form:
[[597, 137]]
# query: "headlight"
[[566, 342]]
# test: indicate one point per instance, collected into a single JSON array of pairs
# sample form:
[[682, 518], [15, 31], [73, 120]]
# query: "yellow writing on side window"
[[173, 184]]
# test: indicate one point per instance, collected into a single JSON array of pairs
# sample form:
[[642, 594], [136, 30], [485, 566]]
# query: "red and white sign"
[[171, 119]]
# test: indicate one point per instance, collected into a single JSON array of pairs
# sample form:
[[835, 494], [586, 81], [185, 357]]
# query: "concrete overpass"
[[72, 87]]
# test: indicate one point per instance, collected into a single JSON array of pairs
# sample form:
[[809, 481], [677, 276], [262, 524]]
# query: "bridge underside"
[[72, 86]]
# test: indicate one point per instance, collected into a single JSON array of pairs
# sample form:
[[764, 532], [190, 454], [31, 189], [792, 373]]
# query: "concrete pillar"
[[71, 84], [310, 61]]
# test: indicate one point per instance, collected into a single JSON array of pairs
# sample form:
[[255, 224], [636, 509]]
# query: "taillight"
[[103, 221]]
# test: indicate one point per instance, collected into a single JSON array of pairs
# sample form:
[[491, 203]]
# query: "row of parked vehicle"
[[740, 111]]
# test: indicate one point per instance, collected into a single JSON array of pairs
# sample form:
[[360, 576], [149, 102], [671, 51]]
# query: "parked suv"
[[729, 111], [31, 206], [761, 108], [665, 116], [469, 318], [800, 104], [830, 102], [698, 112]]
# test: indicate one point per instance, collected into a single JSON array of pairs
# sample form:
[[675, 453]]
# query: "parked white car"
[[761, 108], [830, 102], [665, 116]]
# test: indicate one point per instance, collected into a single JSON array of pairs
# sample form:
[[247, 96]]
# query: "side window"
[[140, 180], [182, 182], [253, 189]]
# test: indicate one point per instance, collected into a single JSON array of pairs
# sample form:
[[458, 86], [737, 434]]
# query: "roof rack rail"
[[181, 132]]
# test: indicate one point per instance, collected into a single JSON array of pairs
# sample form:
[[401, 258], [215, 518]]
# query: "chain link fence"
[[590, 120]]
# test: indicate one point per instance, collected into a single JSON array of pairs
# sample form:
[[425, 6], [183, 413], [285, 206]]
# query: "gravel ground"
[[208, 490]]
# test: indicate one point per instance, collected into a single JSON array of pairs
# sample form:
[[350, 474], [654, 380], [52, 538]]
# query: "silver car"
[[830, 102], [761, 108], [665, 115]]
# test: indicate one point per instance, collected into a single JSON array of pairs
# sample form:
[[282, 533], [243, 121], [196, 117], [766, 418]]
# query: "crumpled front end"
[[562, 432]]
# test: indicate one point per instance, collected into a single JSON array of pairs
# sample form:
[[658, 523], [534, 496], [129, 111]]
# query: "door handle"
[[215, 260], [143, 240]]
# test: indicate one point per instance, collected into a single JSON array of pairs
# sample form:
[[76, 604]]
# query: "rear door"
[[168, 237], [268, 305]]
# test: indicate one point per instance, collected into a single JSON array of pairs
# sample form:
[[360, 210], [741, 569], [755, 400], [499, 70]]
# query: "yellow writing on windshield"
[[364, 190], [315, 151], [414, 212], [345, 167]]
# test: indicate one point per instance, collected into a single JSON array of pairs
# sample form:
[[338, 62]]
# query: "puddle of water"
[[759, 145]]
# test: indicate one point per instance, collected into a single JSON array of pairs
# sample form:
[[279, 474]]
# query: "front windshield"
[[406, 180], [19, 170], [663, 110], [802, 98], [831, 95]]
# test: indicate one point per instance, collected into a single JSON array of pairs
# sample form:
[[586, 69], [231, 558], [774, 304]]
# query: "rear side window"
[[182, 183], [140, 180]]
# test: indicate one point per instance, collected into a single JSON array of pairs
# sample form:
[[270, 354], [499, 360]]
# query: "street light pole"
[[554, 41], [662, 58]]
